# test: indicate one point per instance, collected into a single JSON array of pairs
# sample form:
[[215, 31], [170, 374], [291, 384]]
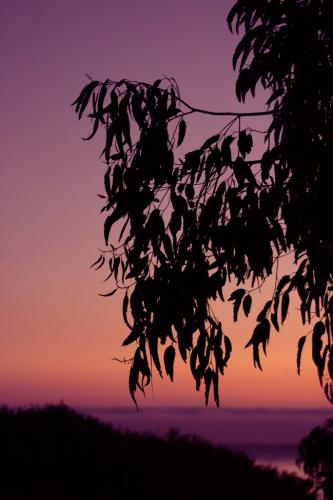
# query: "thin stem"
[[205, 111]]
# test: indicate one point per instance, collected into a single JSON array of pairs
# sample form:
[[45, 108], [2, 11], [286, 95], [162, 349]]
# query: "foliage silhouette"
[[315, 454], [54, 453], [177, 232]]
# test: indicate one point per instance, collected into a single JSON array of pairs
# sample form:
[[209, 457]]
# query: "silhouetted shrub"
[[316, 457]]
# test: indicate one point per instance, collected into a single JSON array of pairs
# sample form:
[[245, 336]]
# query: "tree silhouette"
[[178, 231]]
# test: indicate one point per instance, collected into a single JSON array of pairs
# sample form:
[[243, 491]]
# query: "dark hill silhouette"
[[54, 453]]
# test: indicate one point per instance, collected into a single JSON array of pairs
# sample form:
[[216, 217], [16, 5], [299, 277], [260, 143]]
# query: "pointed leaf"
[[93, 132], [132, 382], [275, 322], [301, 343], [256, 358], [263, 313], [282, 283], [284, 306], [132, 337], [228, 349], [108, 294], [247, 303], [215, 378], [100, 102], [237, 297], [209, 142], [208, 379], [237, 294], [109, 221], [317, 343], [100, 264], [107, 182], [330, 363], [97, 261], [182, 132], [169, 358], [125, 307]]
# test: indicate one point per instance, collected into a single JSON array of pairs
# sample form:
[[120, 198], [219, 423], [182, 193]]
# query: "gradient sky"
[[57, 335]]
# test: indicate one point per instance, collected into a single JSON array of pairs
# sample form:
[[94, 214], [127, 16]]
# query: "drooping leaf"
[[322, 365], [132, 337], [228, 349], [87, 89], [209, 142], [108, 143], [237, 296], [114, 104], [107, 182], [267, 162], [284, 306], [245, 143], [192, 159], [275, 322], [116, 267], [317, 343], [167, 246], [244, 84], [153, 347], [243, 172], [189, 191], [109, 294], [328, 392], [226, 151], [256, 358], [169, 358], [133, 379], [94, 130], [125, 307], [282, 283], [182, 132], [100, 102], [101, 263], [208, 380], [97, 261], [215, 379], [330, 363], [193, 361], [117, 156], [247, 303], [301, 343], [83, 99], [263, 313], [260, 335], [110, 220]]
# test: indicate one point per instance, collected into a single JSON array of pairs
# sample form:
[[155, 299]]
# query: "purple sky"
[[57, 335]]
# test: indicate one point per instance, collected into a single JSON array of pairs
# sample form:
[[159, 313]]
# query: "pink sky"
[[57, 335]]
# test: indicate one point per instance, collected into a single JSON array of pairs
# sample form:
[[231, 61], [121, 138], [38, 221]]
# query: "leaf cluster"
[[288, 48], [179, 231]]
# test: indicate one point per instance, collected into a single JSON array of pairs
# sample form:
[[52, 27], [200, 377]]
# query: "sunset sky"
[[58, 337]]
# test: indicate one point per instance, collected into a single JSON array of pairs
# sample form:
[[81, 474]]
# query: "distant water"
[[268, 436], [281, 456]]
